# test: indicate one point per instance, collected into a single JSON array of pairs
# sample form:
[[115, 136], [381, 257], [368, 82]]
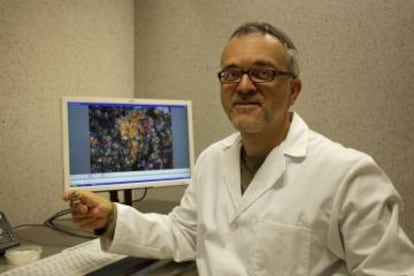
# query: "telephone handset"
[[7, 237]]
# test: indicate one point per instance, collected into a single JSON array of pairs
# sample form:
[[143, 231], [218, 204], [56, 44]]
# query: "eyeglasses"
[[256, 74]]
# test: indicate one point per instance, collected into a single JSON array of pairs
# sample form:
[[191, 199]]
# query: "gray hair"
[[266, 28]]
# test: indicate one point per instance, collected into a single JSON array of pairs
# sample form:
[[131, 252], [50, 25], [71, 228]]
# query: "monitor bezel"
[[129, 186]]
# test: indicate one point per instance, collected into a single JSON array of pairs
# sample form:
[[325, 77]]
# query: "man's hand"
[[89, 210]]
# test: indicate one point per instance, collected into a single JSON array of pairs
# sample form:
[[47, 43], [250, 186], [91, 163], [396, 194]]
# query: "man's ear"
[[295, 88]]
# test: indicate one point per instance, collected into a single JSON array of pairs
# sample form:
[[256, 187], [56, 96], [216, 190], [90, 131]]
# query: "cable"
[[28, 225], [63, 229], [58, 214], [142, 197], [50, 223]]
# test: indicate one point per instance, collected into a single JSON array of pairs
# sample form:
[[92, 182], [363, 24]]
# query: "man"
[[275, 198]]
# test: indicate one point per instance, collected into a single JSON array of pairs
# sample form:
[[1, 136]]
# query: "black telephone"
[[7, 237]]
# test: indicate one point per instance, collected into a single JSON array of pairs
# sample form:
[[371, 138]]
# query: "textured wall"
[[357, 61], [50, 49]]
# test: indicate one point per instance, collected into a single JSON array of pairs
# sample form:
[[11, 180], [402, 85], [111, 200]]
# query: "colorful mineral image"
[[130, 138]]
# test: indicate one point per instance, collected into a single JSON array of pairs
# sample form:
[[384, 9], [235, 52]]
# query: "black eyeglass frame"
[[275, 73]]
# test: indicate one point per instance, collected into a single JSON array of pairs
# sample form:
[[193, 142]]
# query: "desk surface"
[[53, 242]]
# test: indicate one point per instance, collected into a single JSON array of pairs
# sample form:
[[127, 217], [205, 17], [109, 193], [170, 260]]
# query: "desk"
[[53, 242]]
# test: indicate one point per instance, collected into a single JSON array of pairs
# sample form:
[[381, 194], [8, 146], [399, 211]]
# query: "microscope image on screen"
[[130, 138], [122, 143]]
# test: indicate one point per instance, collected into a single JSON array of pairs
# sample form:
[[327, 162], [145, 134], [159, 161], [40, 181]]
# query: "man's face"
[[256, 107]]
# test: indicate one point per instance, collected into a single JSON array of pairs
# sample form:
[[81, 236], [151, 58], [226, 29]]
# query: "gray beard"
[[249, 128]]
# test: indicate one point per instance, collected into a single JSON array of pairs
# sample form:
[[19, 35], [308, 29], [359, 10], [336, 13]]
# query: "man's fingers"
[[66, 195], [79, 208], [88, 198], [88, 209]]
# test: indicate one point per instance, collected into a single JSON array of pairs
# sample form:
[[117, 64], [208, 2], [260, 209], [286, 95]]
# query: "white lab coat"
[[313, 208]]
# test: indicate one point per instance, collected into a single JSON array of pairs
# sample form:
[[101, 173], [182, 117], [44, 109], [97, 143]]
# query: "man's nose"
[[246, 85]]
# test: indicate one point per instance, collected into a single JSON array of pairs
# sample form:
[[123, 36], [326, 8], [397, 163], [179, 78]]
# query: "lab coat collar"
[[295, 143], [272, 170]]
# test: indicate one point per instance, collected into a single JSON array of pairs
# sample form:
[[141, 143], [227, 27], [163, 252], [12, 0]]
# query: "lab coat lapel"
[[232, 165], [271, 172], [266, 177]]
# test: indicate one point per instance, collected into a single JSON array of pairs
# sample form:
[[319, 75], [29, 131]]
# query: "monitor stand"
[[113, 195]]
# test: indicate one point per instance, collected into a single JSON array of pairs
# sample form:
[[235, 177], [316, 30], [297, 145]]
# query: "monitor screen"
[[118, 143]]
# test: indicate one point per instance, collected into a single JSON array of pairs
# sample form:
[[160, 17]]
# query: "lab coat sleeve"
[[365, 229], [155, 235]]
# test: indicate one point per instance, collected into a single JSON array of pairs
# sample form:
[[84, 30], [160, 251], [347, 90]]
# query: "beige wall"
[[50, 49], [357, 61]]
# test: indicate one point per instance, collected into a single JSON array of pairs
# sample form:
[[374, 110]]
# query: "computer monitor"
[[112, 144]]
